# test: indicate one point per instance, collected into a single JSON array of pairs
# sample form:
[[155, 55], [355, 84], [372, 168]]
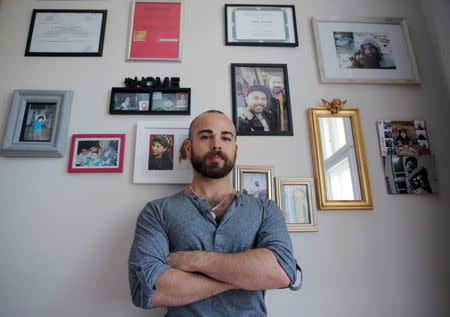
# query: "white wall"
[[64, 238]]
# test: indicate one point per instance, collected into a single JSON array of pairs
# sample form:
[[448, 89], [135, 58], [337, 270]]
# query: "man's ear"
[[187, 148]]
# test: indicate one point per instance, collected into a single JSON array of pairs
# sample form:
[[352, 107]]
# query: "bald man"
[[210, 250]]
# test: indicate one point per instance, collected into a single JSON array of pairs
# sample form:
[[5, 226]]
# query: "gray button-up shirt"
[[184, 223]]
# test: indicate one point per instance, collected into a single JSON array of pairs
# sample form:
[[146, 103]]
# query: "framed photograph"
[[261, 101], [38, 123], [93, 153], [256, 181], [365, 50], [263, 25], [156, 30], [296, 198], [66, 33], [160, 157], [164, 101]]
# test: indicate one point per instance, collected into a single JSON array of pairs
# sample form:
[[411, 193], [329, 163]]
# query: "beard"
[[212, 170], [277, 90], [371, 61]]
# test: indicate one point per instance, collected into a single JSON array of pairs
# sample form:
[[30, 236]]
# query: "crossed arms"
[[196, 275]]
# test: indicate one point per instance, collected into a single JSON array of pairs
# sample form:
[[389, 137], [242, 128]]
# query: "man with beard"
[[257, 97], [370, 56], [209, 250]]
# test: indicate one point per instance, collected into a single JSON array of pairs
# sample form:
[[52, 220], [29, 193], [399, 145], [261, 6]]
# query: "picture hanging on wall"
[[256, 181], [260, 25], [296, 198], [365, 50], [38, 123], [261, 101], [160, 156], [156, 30], [94, 153], [66, 33]]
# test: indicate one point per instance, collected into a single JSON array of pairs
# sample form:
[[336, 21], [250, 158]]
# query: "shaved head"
[[194, 122]]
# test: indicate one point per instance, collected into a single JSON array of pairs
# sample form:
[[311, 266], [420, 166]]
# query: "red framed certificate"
[[155, 30]]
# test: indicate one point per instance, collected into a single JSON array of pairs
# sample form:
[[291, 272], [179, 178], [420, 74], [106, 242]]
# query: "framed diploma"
[[156, 30], [66, 33], [260, 25]]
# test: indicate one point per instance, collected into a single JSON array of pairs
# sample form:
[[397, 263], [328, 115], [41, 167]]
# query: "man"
[[370, 56], [126, 104], [256, 101], [209, 250], [417, 181]]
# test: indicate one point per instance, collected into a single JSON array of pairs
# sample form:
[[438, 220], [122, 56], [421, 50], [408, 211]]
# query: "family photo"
[[169, 101], [129, 101], [38, 122], [368, 50], [261, 102], [97, 153]]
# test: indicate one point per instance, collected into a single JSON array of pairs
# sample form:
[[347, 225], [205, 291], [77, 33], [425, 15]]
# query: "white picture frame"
[[177, 132], [338, 46]]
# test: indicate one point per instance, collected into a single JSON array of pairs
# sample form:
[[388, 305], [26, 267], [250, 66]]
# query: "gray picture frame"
[[56, 145]]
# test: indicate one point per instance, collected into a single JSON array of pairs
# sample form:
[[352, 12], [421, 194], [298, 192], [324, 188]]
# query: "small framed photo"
[[93, 153], [262, 25], [165, 101], [365, 50], [256, 181], [160, 157], [261, 101], [66, 33], [296, 198], [156, 30], [38, 123]]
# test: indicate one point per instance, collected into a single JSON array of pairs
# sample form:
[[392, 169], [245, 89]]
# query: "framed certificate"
[[155, 30], [66, 33], [263, 25]]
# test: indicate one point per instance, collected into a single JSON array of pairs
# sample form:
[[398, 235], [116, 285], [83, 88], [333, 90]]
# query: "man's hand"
[[244, 113]]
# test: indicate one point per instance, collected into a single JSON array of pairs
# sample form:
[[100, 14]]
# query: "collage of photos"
[[409, 165], [368, 50], [261, 102]]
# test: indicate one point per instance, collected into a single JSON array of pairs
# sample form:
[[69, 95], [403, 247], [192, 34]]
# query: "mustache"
[[213, 153]]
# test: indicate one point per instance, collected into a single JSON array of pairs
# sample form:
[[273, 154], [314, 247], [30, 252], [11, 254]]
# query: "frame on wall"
[[163, 101], [256, 181], [160, 157], [66, 33], [365, 51], [266, 84], [260, 25], [156, 30], [93, 153], [38, 123], [295, 197]]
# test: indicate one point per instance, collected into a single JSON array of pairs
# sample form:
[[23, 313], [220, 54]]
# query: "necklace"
[[218, 205]]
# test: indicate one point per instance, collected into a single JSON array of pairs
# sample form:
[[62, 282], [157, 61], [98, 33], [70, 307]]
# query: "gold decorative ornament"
[[335, 105]]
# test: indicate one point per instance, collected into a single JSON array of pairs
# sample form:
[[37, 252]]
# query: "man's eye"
[[205, 137], [226, 139]]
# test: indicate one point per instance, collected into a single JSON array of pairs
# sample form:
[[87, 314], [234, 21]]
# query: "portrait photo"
[[160, 157], [38, 122], [255, 181], [161, 152], [295, 196], [261, 101], [97, 153]]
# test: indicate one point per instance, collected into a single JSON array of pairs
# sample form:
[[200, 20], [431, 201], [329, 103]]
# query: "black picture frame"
[[243, 77], [252, 30], [150, 101], [88, 47]]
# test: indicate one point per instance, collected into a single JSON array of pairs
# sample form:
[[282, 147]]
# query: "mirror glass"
[[339, 159]]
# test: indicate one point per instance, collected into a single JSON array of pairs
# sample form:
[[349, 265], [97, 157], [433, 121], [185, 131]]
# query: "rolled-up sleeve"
[[274, 236], [148, 254]]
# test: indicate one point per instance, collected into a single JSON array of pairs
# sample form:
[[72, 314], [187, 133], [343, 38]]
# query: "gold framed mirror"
[[339, 158]]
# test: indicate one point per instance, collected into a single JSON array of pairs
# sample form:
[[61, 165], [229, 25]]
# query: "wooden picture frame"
[[365, 51], [256, 181], [38, 123]]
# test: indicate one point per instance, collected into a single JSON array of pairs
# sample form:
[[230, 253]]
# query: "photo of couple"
[[261, 102]]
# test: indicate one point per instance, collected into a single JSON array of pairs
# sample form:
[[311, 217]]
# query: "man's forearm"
[[251, 270], [175, 288]]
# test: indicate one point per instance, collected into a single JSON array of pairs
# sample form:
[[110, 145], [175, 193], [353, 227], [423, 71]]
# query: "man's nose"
[[216, 143]]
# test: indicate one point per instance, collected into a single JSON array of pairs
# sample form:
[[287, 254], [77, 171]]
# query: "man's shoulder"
[[179, 197]]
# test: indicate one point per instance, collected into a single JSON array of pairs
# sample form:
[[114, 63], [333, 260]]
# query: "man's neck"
[[211, 188]]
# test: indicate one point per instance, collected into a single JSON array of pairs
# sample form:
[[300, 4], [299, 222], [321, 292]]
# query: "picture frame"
[[159, 154], [66, 33], [162, 101], [48, 136], [96, 153], [365, 51], [156, 30], [260, 25], [269, 86], [295, 197], [256, 181]]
